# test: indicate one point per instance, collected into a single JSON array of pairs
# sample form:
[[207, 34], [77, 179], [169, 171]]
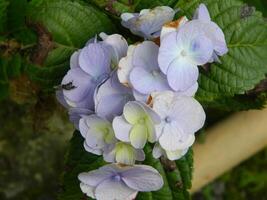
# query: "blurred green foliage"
[[31, 152], [248, 181]]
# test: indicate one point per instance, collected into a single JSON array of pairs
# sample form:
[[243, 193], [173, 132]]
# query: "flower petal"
[[175, 155], [74, 59], [169, 140], [190, 92], [138, 136], [125, 66], [91, 150], [111, 97], [168, 51], [125, 153], [146, 56], [189, 113], [82, 83], [157, 151], [121, 128], [142, 178], [202, 13], [119, 46], [114, 189], [95, 59], [182, 75], [133, 111], [146, 82], [95, 177], [87, 189]]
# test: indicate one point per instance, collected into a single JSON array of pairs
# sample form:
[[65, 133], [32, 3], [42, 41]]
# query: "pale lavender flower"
[[136, 125], [181, 117], [110, 98], [181, 52], [89, 67], [203, 21], [148, 22], [98, 133], [117, 182]]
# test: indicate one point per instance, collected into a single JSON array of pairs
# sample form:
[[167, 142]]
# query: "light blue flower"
[[181, 52], [117, 182], [148, 22]]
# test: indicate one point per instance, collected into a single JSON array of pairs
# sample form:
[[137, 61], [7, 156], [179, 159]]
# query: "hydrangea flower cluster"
[[122, 97]]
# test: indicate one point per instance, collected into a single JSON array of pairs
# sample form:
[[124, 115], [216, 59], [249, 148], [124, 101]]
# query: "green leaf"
[[176, 182], [260, 5], [16, 14], [9, 68], [71, 25], [144, 4], [244, 65], [3, 14]]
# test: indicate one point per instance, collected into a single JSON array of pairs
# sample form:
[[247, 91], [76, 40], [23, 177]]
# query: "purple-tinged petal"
[[145, 55], [74, 59], [114, 189], [61, 99], [111, 97], [146, 82], [121, 128], [149, 21], [140, 97], [83, 87], [95, 177], [182, 75], [143, 178], [118, 46], [168, 51], [202, 13], [91, 150], [190, 92], [95, 60]]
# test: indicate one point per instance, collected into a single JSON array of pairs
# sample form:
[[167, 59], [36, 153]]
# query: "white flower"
[[116, 182], [136, 125], [158, 151], [181, 117], [123, 153]]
